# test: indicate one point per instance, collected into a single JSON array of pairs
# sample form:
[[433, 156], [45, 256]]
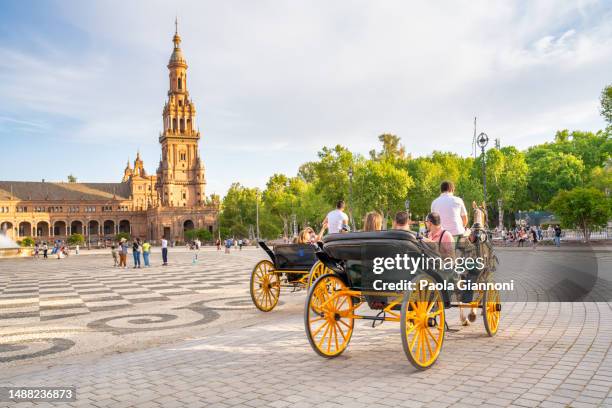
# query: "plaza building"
[[151, 206]]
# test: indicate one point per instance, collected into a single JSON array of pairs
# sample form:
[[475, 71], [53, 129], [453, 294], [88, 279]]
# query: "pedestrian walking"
[[36, 250], [557, 235], [218, 244], [164, 248], [45, 249], [534, 237], [146, 252], [240, 244], [123, 253], [115, 256], [335, 219], [77, 249], [228, 245]]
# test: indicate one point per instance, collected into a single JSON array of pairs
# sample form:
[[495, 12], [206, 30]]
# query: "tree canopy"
[[530, 179]]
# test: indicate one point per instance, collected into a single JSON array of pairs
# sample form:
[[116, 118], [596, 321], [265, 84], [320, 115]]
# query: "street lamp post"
[[350, 206], [407, 204], [483, 140]]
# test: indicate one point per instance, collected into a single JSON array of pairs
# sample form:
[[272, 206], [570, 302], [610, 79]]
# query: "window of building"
[[180, 83]]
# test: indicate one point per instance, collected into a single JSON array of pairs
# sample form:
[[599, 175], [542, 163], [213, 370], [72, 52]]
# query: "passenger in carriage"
[[401, 221], [308, 235], [437, 234], [373, 221]]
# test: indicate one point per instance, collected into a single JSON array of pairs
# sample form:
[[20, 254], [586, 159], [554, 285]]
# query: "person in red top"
[[444, 239], [436, 234]]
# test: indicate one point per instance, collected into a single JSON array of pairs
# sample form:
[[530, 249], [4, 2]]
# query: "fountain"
[[8, 247]]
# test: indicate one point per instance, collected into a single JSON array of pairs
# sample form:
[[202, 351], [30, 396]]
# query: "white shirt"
[[335, 219], [164, 243], [451, 209]]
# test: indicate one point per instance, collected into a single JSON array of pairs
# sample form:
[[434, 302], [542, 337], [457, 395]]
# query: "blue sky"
[[82, 84]]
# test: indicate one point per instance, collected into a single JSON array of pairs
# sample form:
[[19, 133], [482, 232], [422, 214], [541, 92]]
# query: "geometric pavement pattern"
[[26, 295], [546, 353]]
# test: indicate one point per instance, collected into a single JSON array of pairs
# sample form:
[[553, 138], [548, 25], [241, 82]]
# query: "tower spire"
[[176, 25]]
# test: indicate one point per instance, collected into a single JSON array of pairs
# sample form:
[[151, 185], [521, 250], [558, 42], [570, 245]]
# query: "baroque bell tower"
[[180, 175]]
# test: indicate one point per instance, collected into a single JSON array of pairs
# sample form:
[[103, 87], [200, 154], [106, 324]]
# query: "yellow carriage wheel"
[[491, 311], [317, 270], [422, 324], [328, 316], [265, 286]]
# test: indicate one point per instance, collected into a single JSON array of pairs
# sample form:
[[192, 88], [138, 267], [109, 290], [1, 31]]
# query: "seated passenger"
[[308, 236], [402, 221], [373, 221], [437, 234]]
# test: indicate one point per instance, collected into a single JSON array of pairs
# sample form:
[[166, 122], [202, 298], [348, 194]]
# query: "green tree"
[[27, 242], [71, 178], [381, 186], [281, 198], [392, 149], [582, 207], [76, 239], [601, 178], [606, 104], [121, 235], [238, 210], [332, 173], [552, 172], [507, 174], [202, 234]]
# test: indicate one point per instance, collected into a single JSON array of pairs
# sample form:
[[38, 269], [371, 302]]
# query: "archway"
[[109, 227], [188, 225], [42, 229], [6, 228], [59, 228], [25, 229], [124, 226], [93, 228], [76, 227]]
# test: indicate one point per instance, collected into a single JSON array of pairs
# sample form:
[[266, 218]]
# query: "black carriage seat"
[[358, 251], [295, 257], [365, 246]]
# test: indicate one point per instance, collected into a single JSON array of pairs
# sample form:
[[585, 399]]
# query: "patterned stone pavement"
[[545, 354]]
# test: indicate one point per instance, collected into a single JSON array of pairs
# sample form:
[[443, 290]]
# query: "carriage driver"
[[453, 215]]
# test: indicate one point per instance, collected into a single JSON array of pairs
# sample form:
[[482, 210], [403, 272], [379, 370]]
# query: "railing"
[[597, 233]]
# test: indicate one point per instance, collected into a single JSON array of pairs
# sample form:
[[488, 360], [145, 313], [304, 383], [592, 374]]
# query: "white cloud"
[[274, 81]]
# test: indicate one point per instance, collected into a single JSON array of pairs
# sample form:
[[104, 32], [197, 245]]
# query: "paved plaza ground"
[[188, 335]]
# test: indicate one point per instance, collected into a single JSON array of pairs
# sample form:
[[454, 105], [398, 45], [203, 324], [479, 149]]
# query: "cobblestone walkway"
[[553, 354]]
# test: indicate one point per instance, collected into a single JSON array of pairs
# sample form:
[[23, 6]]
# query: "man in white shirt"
[[336, 219], [164, 245], [453, 214]]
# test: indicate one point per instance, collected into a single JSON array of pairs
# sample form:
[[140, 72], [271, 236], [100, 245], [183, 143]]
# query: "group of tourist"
[[534, 234], [230, 243], [59, 250], [120, 252]]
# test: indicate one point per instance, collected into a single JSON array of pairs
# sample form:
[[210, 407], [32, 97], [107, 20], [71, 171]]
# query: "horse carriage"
[[332, 302], [291, 265]]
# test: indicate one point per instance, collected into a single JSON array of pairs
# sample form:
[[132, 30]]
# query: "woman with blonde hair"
[[373, 221], [309, 236]]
